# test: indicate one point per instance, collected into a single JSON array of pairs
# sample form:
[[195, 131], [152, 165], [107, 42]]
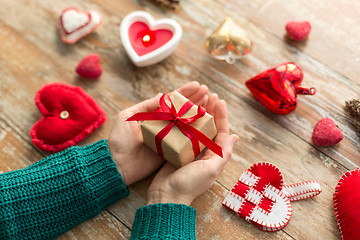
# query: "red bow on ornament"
[[168, 113]]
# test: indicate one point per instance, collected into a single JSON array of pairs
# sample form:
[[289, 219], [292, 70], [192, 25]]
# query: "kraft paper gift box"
[[177, 147]]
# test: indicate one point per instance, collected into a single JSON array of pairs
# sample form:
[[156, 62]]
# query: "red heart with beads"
[[347, 205], [261, 198], [69, 115], [74, 24], [277, 88]]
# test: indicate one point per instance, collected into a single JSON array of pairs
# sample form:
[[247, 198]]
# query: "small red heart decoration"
[[277, 88], [74, 24], [347, 205], [90, 67], [298, 31], [261, 198], [69, 115], [326, 133]]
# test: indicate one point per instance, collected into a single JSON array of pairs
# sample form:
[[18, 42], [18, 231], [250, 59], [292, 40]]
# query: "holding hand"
[[183, 185], [134, 160]]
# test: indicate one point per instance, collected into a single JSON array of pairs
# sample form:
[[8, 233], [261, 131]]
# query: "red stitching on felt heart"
[[261, 198], [353, 234], [56, 131], [303, 194]]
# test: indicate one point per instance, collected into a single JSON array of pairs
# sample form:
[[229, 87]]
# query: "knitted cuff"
[[59, 192], [104, 179], [164, 221]]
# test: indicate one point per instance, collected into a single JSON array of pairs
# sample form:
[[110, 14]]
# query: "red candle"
[[145, 40]]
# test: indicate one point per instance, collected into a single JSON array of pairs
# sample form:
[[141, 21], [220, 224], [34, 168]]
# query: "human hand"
[[134, 160], [183, 185]]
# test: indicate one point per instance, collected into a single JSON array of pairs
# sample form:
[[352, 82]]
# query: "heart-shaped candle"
[[148, 41], [69, 115], [347, 205], [277, 88], [261, 198], [74, 24]]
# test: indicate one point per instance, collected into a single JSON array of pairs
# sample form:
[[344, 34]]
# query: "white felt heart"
[[260, 197], [73, 20], [157, 54], [74, 24]]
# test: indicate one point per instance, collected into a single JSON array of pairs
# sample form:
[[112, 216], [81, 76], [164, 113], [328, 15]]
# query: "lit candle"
[[148, 41], [146, 38]]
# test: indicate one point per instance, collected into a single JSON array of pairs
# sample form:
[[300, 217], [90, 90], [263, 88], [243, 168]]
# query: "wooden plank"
[[14, 151], [103, 226], [334, 37], [264, 136], [232, 78]]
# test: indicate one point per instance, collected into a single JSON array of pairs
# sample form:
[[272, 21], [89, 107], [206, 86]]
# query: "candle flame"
[[146, 38]]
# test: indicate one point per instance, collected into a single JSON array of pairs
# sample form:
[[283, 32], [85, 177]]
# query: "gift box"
[[178, 130]]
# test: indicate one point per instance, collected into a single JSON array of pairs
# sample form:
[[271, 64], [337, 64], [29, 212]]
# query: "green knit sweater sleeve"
[[164, 221], [59, 192]]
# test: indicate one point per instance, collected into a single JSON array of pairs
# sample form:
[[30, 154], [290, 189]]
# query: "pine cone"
[[174, 4], [353, 106]]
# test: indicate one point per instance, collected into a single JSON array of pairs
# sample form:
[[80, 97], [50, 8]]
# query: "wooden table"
[[32, 54]]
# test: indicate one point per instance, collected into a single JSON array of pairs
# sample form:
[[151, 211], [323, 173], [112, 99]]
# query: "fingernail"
[[235, 139]]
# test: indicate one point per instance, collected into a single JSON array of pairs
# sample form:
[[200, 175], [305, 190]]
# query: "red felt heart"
[[69, 115], [90, 66], [143, 40], [326, 133], [347, 205], [277, 88], [298, 31], [261, 198]]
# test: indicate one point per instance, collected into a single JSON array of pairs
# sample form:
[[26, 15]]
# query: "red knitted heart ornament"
[[347, 205], [69, 115], [261, 198]]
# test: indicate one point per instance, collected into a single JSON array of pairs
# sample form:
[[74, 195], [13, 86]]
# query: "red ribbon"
[[166, 113]]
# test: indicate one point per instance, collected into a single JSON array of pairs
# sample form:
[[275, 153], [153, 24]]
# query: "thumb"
[[229, 145], [218, 163]]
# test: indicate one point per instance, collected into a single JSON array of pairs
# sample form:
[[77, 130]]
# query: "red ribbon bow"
[[166, 113]]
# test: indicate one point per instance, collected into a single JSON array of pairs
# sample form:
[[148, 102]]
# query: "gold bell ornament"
[[228, 42]]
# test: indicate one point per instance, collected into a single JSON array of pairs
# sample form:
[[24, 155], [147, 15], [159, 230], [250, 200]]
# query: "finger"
[[204, 101], [210, 106], [217, 163], [198, 97], [189, 89], [221, 117], [222, 126], [145, 106]]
